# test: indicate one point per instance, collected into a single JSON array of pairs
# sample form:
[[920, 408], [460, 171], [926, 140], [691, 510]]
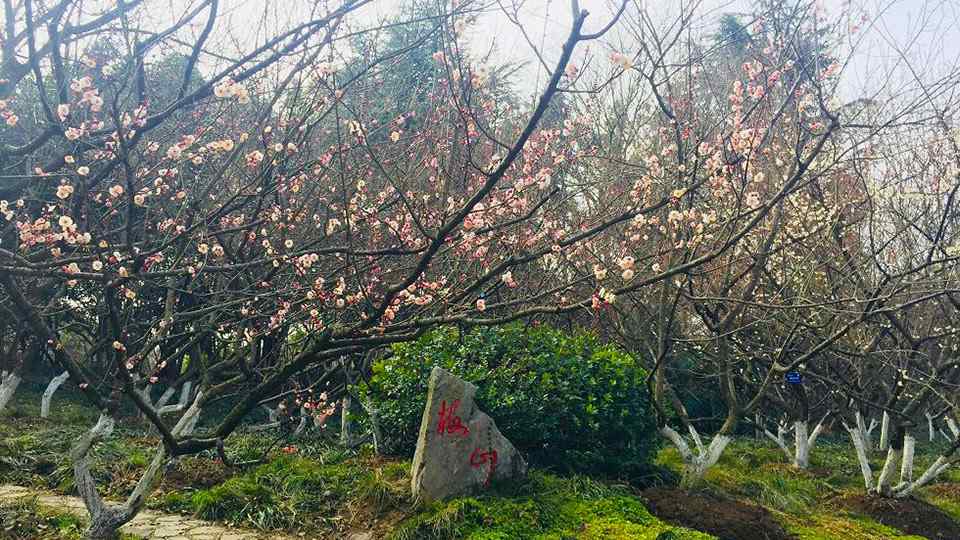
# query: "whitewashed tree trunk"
[[884, 432], [106, 519], [165, 398], [890, 466], [941, 464], [860, 444], [952, 424], [782, 430], [374, 416], [780, 441], [906, 466], [179, 405], [869, 432], [346, 427], [8, 387], [930, 430], [304, 422], [55, 384], [696, 464], [801, 443], [861, 428]]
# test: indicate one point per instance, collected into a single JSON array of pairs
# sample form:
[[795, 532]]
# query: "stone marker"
[[459, 448]]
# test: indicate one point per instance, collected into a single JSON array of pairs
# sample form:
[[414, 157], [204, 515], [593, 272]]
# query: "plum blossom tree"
[[238, 236]]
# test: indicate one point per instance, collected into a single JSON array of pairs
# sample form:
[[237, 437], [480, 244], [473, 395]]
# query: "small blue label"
[[794, 377]]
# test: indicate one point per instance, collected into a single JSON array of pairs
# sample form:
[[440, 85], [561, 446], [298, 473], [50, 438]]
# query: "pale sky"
[[926, 31]]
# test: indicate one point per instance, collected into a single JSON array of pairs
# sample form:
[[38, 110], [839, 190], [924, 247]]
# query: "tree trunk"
[[165, 398], [884, 432], [941, 464], [952, 424], [779, 440], [346, 428], [906, 466], [55, 384], [890, 465], [930, 430], [860, 444], [104, 526], [696, 464], [303, 424], [106, 519], [11, 380]]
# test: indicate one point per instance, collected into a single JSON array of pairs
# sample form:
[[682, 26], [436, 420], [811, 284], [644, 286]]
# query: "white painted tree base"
[[696, 463], [55, 384], [8, 387]]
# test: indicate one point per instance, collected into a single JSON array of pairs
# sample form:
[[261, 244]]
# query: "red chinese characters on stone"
[[479, 457], [449, 421]]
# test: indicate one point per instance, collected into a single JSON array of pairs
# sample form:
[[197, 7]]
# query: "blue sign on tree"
[[794, 377]]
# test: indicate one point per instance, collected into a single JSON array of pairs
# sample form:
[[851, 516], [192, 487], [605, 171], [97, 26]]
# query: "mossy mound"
[[544, 507]]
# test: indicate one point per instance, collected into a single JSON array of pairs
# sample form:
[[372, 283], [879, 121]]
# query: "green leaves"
[[568, 402]]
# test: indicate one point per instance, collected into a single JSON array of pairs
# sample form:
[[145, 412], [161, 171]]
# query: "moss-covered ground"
[[313, 487]]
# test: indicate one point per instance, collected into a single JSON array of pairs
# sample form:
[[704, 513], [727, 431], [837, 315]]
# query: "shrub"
[[567, 402]]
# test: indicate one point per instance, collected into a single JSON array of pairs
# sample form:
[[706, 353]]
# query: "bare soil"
[[727, 519], [911, 516]]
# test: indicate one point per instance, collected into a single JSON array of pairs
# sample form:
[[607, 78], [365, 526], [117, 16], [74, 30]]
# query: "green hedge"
[[568, 402]]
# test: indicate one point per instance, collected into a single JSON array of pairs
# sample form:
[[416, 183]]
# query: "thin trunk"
[[941, 464], [930, 430], [890, 465], [8, 387], [179, 405], [860, 445], [52, 388], [862, 431], [801, 441], [778, 439], [869, 431], [346, 428], [951, 423], [165, 398], [375, 427], [906, 466], [884, 432], [782, 430]]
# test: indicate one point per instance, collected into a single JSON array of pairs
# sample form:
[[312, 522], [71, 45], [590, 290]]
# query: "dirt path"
[[147, 524]]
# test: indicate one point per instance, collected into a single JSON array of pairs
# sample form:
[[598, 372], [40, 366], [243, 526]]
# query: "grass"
[[282, 493], [23, 519]]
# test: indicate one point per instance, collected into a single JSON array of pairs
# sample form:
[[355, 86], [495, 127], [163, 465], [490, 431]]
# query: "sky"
[[925, 32]]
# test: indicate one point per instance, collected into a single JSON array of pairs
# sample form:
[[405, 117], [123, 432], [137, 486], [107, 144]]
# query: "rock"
[[459, 448]]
